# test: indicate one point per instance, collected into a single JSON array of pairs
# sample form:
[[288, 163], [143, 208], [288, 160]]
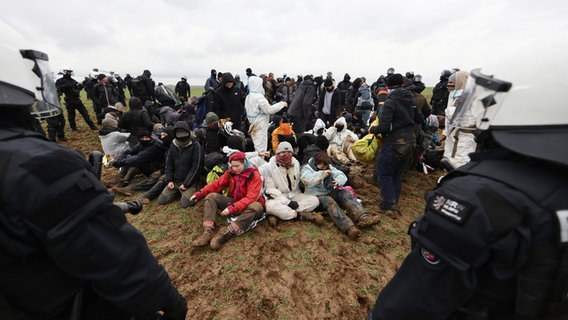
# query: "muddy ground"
[[295, 270]]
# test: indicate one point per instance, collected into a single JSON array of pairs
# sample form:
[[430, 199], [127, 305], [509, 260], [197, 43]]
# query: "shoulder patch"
[[454, 210]]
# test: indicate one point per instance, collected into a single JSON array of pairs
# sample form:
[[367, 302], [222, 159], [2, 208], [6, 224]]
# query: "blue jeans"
[[391, 162]]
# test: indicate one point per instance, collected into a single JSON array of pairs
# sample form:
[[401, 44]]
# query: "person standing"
[[68, 250], [396, 125], [258, 110], [183, 89], [72, 90], [329, 105], [301, 108], [104, 95], [227, 102], [491, 243]]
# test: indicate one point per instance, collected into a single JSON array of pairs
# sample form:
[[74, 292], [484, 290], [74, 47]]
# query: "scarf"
[[285, 159]]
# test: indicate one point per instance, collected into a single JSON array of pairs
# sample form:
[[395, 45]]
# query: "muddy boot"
[[367, 220], [221, 237], [122, 191], [272, 220], [312, 217], [204, 238], [392, 213], [353, 233]]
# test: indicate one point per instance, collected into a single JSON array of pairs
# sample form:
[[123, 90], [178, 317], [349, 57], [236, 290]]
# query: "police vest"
[[542, 283]]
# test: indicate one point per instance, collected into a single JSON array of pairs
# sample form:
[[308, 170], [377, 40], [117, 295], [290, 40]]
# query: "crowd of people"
[[295, 133], [491, 244]]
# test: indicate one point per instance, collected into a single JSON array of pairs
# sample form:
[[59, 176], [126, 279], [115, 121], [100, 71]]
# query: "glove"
[[293, 205], [116, 164], [176, 311]]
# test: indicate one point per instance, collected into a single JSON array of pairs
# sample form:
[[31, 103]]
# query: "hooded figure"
[[183, 165], [258, 110], [340, 141], [227, 102]]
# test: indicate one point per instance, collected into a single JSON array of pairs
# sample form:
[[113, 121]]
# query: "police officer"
[[66, 251], [492, 243], [72, 90]]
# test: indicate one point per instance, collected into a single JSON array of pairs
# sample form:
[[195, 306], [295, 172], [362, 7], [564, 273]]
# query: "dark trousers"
[[391, 162], [77, 105]]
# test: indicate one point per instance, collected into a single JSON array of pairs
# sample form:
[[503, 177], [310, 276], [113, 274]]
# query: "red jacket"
[[244, 188]]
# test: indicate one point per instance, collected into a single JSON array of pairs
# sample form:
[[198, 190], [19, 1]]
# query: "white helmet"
[[26, 79], [527, 115]]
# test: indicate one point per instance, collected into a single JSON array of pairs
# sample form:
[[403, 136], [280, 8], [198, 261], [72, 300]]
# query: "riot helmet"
[[26, 80], [534, 125]]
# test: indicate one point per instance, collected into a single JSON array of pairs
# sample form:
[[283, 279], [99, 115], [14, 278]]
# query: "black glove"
[[116, 164], [176, 311], [293, 205]]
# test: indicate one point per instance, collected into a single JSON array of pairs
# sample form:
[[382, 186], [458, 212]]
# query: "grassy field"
[[295, 270]]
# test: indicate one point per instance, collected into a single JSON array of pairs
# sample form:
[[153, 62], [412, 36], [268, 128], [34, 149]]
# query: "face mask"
[[145, 142], [339, 127], [183, 139], [329, 89]]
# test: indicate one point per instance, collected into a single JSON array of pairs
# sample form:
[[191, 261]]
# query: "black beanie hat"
[[143, 133], [322, 142], [328, 82], [101, 76], [235, 142], [395, 80]]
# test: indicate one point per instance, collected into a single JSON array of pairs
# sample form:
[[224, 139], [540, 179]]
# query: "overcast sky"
[[185, 37]]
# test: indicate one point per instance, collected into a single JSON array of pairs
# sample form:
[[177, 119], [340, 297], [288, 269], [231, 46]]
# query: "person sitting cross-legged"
[[243, 205], [285, 200]]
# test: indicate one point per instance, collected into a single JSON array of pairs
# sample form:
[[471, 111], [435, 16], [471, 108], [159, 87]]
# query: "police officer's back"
[[63, 243], [492, 243]]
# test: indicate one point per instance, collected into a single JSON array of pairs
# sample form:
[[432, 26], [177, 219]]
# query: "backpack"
[[200, 110], [366, 96], [215, 173], [138, 86]]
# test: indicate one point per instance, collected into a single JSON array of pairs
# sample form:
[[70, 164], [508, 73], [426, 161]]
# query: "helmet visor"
[[47, 100], [480, 101]]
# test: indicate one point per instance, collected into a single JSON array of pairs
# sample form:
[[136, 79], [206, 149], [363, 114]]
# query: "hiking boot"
[[122, 191], [144, 200], [272, 220], [367, 220], [353, 233], [204, 238], [392, 213], [221, 237], [311, 217]]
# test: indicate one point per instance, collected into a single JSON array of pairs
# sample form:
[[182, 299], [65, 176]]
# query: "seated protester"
[[168, 116], [209, 134], [318, 129], [340, 141], [359, 127], [283, 132], [323, 180], [285, 200], [136, 118], [258, 110], [187, 113], [148, 156], [114, 112], [321, 144], [236, 144], [184, 162], [243, 205], [113, 142]]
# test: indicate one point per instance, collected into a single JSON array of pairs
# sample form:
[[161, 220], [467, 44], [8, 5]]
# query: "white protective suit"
[[340, 142], [258, 110], [459, 142], [114, 143], [278, 195]]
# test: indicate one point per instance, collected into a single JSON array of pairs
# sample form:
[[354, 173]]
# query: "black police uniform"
[[68, 86], [491, 245], [60, 235]]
